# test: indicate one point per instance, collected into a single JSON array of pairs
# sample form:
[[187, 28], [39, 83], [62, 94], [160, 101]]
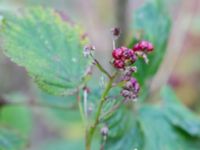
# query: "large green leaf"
[[49, 48], [168, 126], [124, 131], [63, 110], [178, 114], [10, 140], [64, 144], [160, 133], [155, 25]]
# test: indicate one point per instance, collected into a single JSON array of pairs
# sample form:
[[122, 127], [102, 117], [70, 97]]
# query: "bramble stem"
[[114, 44], [81, 112], [99, 66], [91, 130], [85, 103]]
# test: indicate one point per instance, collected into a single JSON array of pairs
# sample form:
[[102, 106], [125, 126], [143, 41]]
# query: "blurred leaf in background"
[[11, 140], [167, 126], [17, 117], [153, 22]]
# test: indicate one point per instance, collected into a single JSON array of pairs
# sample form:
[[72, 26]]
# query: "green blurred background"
[[180, 68]]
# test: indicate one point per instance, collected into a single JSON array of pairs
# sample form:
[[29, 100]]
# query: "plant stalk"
[[91, 130]]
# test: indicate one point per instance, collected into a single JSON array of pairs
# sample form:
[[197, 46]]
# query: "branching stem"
[[92, 128], [100, 67]]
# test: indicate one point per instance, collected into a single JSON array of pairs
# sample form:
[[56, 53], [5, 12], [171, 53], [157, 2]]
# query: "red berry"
[[117, 53], [143, 44], [136, 47], [133, 58], [150, 47], [118, 64], [128, 54]]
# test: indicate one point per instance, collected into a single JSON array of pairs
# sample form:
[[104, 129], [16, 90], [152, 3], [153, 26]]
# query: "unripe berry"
[[125, 93], [133, 58], [118, 64], [117, 53], [131, 89], [133, 81], [136, 87], [128, 85]]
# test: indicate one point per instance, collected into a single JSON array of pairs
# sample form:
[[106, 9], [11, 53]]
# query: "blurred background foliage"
[[46, 120]]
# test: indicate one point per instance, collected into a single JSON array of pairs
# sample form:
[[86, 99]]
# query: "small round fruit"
[[117, 53], [118, 64]]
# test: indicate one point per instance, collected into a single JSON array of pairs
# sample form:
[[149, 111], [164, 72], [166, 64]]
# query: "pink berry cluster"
[[143, 46], [131, 88], [124, 58]]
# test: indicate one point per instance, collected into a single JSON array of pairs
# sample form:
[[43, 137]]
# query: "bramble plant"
[[60, 58]]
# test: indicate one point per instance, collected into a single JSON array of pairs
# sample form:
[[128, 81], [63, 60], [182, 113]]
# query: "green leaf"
[[61, 109], [62, 144], [160, 134], [155, 25], [115, 123], [49, 48], [10, 140], [168, 126], [10, 116], [124, 131], [52, 100], [178, 114]]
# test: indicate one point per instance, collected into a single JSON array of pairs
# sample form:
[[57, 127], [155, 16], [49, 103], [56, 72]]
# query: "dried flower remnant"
[[104, 131], [88, 49], [115, 33]]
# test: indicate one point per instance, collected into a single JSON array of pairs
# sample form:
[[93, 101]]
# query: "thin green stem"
[[100, 67], [91, 130], [81, 110]]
